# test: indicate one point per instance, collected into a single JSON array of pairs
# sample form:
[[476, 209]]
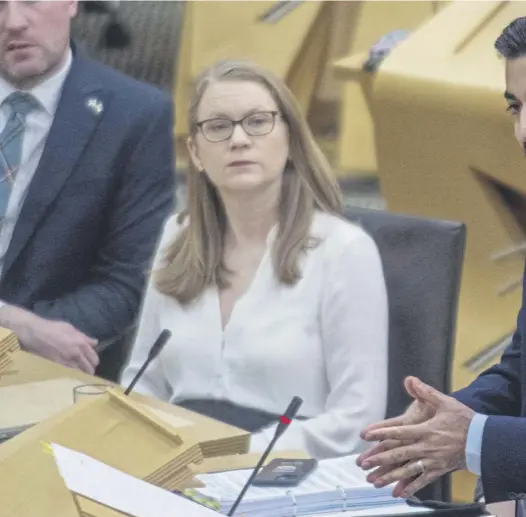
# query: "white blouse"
[[323, 339]]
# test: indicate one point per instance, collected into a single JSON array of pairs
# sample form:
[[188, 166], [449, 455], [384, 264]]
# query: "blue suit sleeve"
[[474, 443], [109, 303], [497, 391], [503, 471]]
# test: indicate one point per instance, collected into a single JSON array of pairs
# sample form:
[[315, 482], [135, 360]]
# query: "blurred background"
[[406, 100]]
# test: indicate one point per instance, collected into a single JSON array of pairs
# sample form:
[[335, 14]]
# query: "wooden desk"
[[46, 494], [215, 437]]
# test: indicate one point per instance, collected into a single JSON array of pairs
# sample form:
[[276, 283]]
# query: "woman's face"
[[242, 142]]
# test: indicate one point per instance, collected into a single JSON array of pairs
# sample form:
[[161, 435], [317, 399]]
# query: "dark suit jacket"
[[501, 392], [94, 210]]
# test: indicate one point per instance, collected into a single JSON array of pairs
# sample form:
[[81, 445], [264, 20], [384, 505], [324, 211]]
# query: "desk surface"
[[51, 498], [29, 368]]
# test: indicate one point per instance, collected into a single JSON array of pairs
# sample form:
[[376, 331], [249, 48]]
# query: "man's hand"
[[56, 340], [416, 413], [434, 437]]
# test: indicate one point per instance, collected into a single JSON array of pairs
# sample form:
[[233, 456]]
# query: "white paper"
[[92, 479], [331, 473], [319, 493], [395, 509]]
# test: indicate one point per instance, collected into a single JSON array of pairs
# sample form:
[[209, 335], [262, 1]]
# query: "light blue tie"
[[11, 139]]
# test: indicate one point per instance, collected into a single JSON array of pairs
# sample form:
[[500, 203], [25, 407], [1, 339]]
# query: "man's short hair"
[[511, 43]]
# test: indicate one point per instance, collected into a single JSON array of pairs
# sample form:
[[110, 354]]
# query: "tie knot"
[[21, 103]]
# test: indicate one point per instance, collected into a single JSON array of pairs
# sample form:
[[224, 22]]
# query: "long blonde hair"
[[194, 260]]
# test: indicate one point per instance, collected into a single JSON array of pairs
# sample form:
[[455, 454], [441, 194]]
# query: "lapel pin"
[[95, 105]]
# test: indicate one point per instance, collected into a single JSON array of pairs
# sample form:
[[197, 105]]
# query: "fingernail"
[[366, 465]]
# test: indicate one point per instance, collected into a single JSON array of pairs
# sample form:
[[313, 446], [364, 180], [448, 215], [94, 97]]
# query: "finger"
[[386, 445], [391, 422], [380, 471], [407, 433], [78, 335], [409, 386], [82, 363], [90, 355], [408, 470], [396, 456], [426, 393], [408, 487]]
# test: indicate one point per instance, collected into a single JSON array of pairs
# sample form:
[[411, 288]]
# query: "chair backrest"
[[422, 262]]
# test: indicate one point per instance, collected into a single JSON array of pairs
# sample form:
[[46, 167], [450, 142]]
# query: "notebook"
[[336, 485]]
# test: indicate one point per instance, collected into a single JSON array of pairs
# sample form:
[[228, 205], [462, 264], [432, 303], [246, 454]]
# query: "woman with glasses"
[[268, 291]]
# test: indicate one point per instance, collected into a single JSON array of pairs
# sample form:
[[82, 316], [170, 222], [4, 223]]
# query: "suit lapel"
[[77, 116]]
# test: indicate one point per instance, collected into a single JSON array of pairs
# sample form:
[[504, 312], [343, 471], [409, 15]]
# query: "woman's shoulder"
[[337, 232], [344, 243], [173, 226], [176, 222]]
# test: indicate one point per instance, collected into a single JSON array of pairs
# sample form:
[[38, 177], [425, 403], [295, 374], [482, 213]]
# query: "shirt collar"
[[47, 93]]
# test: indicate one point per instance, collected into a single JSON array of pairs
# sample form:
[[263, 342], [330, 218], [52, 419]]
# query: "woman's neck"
[[250, 217]]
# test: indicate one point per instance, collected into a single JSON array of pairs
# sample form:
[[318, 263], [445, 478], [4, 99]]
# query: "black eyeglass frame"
[[239, 122]]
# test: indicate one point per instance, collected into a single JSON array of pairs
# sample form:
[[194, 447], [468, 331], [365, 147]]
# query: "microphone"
[[284, 422], [163, 338]]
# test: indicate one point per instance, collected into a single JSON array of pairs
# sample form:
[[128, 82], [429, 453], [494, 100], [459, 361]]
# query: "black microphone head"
[[163, 338], [287, 417], [293, 408]]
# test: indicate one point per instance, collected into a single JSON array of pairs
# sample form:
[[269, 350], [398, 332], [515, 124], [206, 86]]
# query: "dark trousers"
[[248, 419]]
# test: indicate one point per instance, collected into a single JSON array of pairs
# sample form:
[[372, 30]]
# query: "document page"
[[93, 479]]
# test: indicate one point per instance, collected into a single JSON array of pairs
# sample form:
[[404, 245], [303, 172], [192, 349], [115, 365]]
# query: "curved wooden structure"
[[293, 43], [299, 45]]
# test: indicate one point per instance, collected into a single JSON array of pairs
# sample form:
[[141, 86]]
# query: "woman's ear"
[[192, 151]]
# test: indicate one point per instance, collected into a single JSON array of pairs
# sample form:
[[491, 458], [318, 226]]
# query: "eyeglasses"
[[259, 123]]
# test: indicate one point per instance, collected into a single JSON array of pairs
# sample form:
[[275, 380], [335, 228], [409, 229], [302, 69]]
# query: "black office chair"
[[422, 261]]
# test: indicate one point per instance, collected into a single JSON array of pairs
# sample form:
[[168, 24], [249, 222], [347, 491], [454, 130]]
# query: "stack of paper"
[[8, 345], [336, 485]]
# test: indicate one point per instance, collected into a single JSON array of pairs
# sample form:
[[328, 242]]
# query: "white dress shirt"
[[323, 339], [38, 124]]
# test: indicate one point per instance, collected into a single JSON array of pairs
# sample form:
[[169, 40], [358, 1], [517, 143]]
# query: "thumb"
[[423, 393]]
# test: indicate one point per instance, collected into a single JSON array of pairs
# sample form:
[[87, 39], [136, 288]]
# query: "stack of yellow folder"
[[111, 428], [8, 345]]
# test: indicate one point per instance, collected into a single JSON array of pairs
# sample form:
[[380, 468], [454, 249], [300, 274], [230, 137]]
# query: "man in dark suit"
[[86, 182], [482, 427]]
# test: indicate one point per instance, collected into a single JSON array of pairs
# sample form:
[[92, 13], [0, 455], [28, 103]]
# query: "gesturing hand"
[[417, 413], [416, 448]]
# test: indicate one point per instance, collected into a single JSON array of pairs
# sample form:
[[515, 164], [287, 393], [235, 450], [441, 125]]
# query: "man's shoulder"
[[125, 88]]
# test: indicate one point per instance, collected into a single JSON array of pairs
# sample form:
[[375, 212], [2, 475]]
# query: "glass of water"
[[88, 390]]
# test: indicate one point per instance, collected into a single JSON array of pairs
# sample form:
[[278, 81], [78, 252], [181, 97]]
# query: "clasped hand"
[[421, 445]]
